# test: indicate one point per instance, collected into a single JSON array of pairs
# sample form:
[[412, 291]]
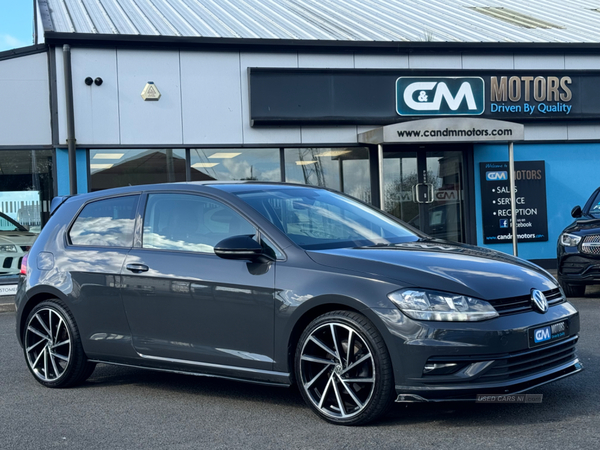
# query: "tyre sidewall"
[[77, 361], [383, 391]]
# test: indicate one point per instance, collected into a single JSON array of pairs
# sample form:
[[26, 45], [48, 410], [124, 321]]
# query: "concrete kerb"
[[7, 304]]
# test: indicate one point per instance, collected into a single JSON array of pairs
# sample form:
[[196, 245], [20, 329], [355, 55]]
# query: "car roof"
[[226, 186]]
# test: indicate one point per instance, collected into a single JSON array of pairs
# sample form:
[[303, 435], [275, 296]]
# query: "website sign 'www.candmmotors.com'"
[[457, 133], [428, 96]]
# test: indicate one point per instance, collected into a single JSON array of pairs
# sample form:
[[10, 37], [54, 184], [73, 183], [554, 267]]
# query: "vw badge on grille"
[[539, 300]]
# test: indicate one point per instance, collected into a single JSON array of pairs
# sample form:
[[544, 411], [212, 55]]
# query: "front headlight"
[[8, 248], [441, 306], [569, 240]]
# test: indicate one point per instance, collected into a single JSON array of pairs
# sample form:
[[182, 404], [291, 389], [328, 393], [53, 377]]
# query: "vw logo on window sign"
[[539, 300], [429, 96]]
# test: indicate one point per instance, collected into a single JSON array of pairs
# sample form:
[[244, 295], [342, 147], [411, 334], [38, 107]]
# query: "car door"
[[88, 269], [185, 304]]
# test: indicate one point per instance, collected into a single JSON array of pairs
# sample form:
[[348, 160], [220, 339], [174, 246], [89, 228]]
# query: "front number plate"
[[548, 333]]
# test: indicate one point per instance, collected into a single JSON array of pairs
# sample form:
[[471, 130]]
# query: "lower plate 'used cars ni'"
[[578, 249], [282, 284]]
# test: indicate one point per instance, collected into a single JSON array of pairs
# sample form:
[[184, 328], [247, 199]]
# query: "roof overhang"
[[253, 44], [445, 130]]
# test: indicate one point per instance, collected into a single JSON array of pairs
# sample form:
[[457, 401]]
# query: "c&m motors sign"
[[436, 96], [298, 97]]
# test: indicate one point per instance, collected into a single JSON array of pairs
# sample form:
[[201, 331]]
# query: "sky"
[[16, 24]]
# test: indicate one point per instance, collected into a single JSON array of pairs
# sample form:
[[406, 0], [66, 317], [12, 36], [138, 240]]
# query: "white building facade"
[[199, 90]]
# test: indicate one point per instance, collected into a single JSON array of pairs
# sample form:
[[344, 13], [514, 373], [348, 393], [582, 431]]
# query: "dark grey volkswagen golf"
[[283, 284]]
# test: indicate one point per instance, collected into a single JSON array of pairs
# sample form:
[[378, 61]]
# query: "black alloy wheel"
[[52, 347], [343, 369]]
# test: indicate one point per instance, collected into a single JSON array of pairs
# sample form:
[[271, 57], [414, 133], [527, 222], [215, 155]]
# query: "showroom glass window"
[[189, 223], [26, 189], [344, 169], [116, 168], [106, 223], [262, 164]]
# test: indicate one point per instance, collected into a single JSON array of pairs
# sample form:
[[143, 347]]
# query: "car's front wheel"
[[343, 368], [52, 346]]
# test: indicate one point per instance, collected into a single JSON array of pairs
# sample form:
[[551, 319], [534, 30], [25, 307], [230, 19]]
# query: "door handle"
[[423, 193], [137, 268]]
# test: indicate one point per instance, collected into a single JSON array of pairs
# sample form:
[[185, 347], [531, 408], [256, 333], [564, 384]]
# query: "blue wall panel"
[[62, 171], [572, 174]]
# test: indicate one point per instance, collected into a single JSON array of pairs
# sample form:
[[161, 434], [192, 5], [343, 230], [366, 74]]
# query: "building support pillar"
[[71, 142]]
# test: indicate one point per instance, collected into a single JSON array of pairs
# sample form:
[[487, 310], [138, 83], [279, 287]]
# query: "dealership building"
[[414, 107]]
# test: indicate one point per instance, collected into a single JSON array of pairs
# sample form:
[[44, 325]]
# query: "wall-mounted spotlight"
[[88, 81]]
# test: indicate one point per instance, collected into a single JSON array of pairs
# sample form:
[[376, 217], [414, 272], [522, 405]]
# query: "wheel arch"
[[323, 305], [34, 298]]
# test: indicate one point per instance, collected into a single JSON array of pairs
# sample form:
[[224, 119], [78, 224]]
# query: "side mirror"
[[241, 247], [576, 212]]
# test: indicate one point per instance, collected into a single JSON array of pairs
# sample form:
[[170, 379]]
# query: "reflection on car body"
[[283, 284]]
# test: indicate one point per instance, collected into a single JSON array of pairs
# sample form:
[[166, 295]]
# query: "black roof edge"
[[45, 16], [233, 44], [23, 51]]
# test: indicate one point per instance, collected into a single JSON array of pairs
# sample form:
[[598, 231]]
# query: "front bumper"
[[563, 363], [497, 356], [579, 269]]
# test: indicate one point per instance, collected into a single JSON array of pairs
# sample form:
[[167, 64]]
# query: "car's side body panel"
[[200, 307]]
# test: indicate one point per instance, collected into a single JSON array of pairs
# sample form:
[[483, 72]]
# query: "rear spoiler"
[[56, 202]]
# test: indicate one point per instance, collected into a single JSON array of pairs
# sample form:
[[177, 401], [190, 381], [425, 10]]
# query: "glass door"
[[425, 189]]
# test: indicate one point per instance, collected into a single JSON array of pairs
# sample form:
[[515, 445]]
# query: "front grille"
[[591, 245], [514, 305], [518, 365]]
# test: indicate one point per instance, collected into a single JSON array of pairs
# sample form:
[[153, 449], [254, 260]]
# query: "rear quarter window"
[[105, 223]]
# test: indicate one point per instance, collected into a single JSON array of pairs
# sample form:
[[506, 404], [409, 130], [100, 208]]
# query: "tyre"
[[52, 347], [343, 369], [573, 290]]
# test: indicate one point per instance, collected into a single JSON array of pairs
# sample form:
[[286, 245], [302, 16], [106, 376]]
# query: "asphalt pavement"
[[7, 304]]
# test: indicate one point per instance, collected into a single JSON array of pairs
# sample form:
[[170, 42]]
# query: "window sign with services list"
[[530, 198]]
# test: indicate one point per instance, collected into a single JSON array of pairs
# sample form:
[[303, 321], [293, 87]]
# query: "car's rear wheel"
[[52, 346], [343, 369], [572, 290]]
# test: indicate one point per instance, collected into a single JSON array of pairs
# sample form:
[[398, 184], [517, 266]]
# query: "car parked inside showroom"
[[285, 284], [15, 242], [578, 249]]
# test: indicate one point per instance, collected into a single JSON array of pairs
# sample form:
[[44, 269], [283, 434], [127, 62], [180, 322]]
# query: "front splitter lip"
[[469, 392], [580, 278]]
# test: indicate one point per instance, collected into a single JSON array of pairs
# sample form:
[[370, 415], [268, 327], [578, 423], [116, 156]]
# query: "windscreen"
[[319, 219]]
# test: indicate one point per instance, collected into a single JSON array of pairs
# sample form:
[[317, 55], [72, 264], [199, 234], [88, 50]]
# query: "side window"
[[190, 223], [106, 223]]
